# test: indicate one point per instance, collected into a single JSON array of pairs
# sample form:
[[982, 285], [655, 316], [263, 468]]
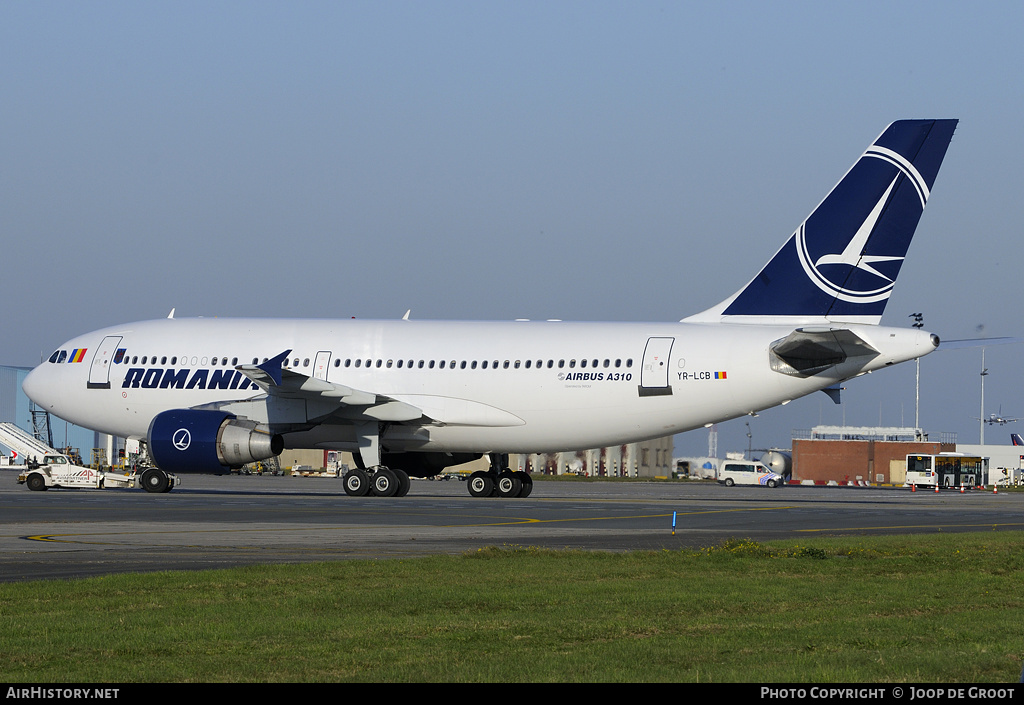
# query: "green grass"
[[944, 608]]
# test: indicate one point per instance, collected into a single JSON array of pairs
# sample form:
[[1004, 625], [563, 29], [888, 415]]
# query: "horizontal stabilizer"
[[833, 393]]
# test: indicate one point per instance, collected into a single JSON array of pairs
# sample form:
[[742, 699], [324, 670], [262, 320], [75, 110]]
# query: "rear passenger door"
[[654, 369]]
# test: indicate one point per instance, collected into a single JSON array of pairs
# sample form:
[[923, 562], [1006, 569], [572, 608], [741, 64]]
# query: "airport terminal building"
[[873, 455]]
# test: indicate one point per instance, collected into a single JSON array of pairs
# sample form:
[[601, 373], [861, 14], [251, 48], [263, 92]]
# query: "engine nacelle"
[[195, 440]]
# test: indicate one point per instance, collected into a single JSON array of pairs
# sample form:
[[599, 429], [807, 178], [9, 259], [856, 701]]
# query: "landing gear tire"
[[506, 483], [36, 482], [403, 483], [357, 483], [155, 480], [481, 484], [509, 484], [527, 482], [384, 482]]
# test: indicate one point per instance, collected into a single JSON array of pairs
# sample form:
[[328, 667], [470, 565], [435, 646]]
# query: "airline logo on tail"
[[853, 255], [842, 262]]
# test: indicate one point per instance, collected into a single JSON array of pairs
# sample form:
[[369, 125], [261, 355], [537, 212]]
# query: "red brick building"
[[858, 455]]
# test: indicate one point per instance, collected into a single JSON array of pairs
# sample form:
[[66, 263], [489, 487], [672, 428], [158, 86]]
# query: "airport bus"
[[946, 470]]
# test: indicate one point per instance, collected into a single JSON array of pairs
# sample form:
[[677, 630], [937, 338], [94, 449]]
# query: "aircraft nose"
[[39, 388]]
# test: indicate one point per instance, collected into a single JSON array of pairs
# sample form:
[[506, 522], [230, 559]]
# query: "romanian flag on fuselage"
[[77, 355], [720, 375]]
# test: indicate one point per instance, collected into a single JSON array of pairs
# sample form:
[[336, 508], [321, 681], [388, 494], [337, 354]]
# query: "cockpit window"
[[62, 356], [53, 358]]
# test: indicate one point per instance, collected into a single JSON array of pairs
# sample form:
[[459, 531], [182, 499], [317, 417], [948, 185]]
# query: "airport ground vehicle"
[[46, 467], [946, 470], [57, 470], [747, 472]]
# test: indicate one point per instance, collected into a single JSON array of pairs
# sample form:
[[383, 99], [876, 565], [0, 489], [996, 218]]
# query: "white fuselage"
[[482, 386]]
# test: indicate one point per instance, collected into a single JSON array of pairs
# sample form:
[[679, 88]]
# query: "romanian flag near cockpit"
[[77, 355]]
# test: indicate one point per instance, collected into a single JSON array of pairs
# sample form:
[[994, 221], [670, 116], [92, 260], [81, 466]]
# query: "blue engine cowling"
[[206, 441]]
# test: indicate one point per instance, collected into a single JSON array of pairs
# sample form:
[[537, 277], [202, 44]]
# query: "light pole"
[[919, 324], [981, 416]]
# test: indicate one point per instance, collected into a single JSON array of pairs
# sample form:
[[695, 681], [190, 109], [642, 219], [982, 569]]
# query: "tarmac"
[[224, 521]]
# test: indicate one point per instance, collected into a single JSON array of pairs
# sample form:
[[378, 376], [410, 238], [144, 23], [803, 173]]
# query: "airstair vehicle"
[[46, 467]]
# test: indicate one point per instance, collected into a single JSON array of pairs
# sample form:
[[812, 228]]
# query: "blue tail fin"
[[842, 262], [1017, 440]]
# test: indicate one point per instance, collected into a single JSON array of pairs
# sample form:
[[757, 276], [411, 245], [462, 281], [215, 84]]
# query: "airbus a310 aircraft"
[[410, 398]]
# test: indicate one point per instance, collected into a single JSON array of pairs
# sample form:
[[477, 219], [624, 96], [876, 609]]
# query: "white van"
[[747, 472]]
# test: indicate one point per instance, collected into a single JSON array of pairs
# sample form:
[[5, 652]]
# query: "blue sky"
[[498, 160]]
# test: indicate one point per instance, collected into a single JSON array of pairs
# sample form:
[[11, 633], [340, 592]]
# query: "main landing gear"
[[379, 482], [371, 477], [499, 481]]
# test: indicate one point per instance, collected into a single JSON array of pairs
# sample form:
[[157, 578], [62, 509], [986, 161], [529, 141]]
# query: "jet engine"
[[206, 441]]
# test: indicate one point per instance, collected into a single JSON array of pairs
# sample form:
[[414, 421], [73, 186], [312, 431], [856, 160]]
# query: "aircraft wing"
[[354, 404], [275, 380]]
